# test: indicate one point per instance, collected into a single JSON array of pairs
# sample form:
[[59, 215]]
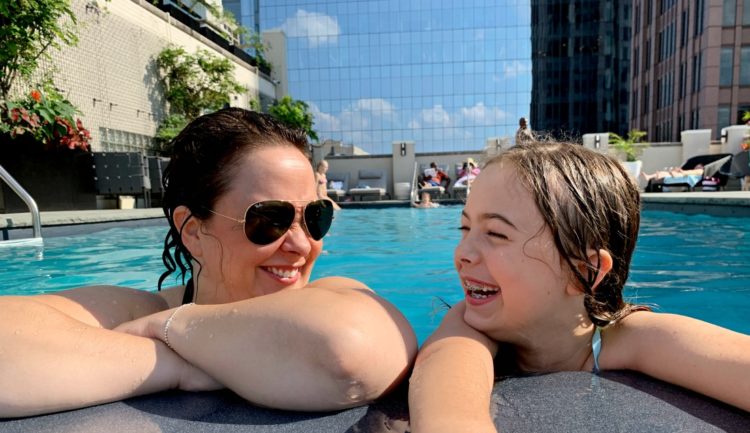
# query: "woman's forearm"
[[308, 349], [51, 362]]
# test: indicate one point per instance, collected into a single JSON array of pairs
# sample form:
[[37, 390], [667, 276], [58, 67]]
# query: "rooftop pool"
[[694, 265]]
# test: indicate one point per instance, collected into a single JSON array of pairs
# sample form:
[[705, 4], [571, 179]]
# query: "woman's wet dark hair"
[[588, 201], [202, 164]]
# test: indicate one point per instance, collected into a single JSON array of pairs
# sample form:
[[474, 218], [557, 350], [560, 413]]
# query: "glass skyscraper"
[[581, 55], [447, 75]]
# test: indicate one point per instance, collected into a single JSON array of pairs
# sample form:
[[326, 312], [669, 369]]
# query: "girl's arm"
[[452, 382], [705, 358], [318, 348], [56, 352]]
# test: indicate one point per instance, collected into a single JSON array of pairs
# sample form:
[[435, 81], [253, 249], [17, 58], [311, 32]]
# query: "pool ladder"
[[413, 194], [33, 208]]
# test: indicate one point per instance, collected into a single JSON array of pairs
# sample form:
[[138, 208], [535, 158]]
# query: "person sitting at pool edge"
[[321, 182], [246, 224], [548, 233]]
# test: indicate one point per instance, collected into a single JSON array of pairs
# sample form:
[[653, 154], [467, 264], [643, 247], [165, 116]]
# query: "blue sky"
[[443, 75]]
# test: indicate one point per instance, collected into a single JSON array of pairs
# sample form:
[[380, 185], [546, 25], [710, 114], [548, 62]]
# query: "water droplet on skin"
[[235, 311], [210, 335], [17, 331]]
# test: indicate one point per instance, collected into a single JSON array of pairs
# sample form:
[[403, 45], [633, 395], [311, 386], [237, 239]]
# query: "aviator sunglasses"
[[267, 221]]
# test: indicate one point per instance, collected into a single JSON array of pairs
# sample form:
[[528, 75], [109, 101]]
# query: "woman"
[[245, 220], [321, 182]]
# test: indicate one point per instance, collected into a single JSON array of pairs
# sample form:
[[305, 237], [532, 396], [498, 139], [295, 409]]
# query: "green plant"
[[167, 130], [746, 116], [47, 117], [630, 146], [196, 83], [28, 29], [294, 113]]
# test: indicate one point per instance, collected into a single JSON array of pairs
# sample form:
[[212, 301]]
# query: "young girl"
[[548, 233]]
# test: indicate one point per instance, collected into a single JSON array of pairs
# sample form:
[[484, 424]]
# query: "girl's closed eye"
[[495, 234]]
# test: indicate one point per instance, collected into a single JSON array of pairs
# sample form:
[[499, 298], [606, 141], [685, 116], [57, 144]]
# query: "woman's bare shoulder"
[[105, 306], [338, 283]]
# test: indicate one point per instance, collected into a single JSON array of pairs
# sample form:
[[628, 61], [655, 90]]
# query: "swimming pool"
[[688, 264]]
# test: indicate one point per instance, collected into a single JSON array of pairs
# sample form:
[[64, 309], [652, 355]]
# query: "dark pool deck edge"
[[558, 402]]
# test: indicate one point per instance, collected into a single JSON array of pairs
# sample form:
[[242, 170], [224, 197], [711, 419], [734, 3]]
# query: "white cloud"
[[324, 121], [318, 28], [516, 68], [435, 116], [376, 105], [480, 114]]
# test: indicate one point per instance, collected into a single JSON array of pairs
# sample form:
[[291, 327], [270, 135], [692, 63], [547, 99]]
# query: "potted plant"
[[630, 148]]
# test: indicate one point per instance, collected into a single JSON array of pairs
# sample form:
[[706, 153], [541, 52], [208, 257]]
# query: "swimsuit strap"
[[187, 297], [596, 347]]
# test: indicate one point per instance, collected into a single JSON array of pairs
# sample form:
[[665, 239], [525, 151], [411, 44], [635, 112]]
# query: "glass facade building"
[[447, 75], [580, 55]]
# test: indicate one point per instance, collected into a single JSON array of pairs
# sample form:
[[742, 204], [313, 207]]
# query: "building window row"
[[745, 66], [728, 18], [746, 13], [696, 85], [726, 66], [665, 91], [700, 6], [665, 5], [684, 30], [667, 42]]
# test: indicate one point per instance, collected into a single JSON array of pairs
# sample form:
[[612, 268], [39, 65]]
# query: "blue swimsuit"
[[596, 348]]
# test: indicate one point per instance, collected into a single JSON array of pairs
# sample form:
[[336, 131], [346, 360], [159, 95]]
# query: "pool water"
[[686, 264]]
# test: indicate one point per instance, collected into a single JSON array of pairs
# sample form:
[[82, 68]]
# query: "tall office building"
[[444, 74], [580, 57], [691, 65], [246, 12]]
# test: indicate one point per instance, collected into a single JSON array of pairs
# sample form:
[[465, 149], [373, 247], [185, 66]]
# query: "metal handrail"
[[33, 208], [413, 194]]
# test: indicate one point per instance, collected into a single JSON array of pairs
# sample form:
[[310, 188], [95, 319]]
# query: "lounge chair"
[[370, 184], [741, 169], [460, 191], [715, 174], [338, 184], [435, 191]]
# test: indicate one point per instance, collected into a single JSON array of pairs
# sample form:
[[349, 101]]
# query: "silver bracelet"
[[169, 322]]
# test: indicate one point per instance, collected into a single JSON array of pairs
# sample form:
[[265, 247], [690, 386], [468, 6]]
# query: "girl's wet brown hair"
[[202, 165], [588, 201]]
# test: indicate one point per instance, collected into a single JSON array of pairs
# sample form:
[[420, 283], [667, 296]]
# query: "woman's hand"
[[154, 326], [151, 326]]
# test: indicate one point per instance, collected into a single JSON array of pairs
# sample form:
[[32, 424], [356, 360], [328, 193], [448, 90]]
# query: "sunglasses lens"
[[318, 218], [267, 221]]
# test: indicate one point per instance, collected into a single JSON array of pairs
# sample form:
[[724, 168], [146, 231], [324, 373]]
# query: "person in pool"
[[246, 225], [548, 233]]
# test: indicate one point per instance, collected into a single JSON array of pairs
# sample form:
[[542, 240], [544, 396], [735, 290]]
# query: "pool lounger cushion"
[[371, 182], [558, 402]]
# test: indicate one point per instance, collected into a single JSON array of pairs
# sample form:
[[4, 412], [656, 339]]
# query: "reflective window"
[[745, 66], [726, 65], [728, 13]]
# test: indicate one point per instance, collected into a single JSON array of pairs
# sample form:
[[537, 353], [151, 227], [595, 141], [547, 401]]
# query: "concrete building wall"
[[111, 75], [686, 67]]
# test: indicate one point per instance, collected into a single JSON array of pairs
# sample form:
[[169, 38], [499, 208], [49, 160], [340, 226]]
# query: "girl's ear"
[[604, 262], [189, 227]]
